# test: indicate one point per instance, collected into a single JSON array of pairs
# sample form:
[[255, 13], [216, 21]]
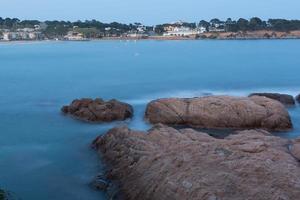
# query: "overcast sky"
[[150, 11]]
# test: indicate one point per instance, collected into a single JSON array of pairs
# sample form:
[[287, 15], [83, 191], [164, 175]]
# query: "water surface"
[[44, 155]]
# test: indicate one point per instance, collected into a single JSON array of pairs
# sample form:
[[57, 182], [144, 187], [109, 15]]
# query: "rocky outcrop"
[[98, 110], [220, 112], [166, 163], [283, 98]]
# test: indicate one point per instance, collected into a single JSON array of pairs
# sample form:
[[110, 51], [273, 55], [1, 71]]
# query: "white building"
[[33, 35], [74, 36], [202, 29], [26, 30], [37, 27], [137, 35], [216, 29], [184, 31], [22, 34], [7, 36], [141, 28]]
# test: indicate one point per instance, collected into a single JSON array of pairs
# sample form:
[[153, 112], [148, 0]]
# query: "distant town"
[[13, 29]]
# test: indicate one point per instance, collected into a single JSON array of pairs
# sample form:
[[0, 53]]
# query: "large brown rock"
[[283, 98], [166, 163], [220, 112], [98, 110]]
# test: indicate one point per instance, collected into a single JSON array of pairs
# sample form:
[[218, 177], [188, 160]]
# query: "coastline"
[[254, 35], [27, 41]]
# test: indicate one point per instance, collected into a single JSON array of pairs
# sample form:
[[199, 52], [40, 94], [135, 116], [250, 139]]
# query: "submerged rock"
[[220, 112], [166, 163], [98, 110], [298, 98], [2, 195], [6, 195], [283, 98], [100, 182]]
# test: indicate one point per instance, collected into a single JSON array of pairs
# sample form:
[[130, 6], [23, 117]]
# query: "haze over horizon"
[[148, 12]]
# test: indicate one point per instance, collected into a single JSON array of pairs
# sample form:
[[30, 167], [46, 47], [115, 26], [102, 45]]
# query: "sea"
[[47, 156]]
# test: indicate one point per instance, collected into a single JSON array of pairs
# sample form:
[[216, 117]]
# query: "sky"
[[149, 12]]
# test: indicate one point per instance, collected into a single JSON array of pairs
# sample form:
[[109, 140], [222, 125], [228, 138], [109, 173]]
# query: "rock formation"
[[283, 98], [166, 163], [220, 112], [98, 110]]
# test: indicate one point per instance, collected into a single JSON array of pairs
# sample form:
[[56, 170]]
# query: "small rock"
[[2, 195], [100, 183], [98, 110], [283, 98], [298, 98]]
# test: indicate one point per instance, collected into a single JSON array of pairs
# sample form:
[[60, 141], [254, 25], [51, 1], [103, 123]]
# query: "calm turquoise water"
[[46, 156]]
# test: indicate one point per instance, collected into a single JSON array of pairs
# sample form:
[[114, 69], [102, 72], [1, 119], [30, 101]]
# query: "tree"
[[159, 29], [255, 24], [243, 24], [205, 24], [284, 25], [28, 23], [215, 21], [230, 25], [190, 25]]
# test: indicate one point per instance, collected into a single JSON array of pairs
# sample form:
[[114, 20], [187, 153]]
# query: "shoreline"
[[143, 39], [254, 35]]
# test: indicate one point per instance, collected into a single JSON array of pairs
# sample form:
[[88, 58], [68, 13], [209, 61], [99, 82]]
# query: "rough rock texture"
[[98, 110], [295, 148], [283, 98], [220, 112], [166, 163]]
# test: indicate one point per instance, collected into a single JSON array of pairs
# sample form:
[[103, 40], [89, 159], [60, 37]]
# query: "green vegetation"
[[97, 29], [57, 29], [253, 24], [89, 32]]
